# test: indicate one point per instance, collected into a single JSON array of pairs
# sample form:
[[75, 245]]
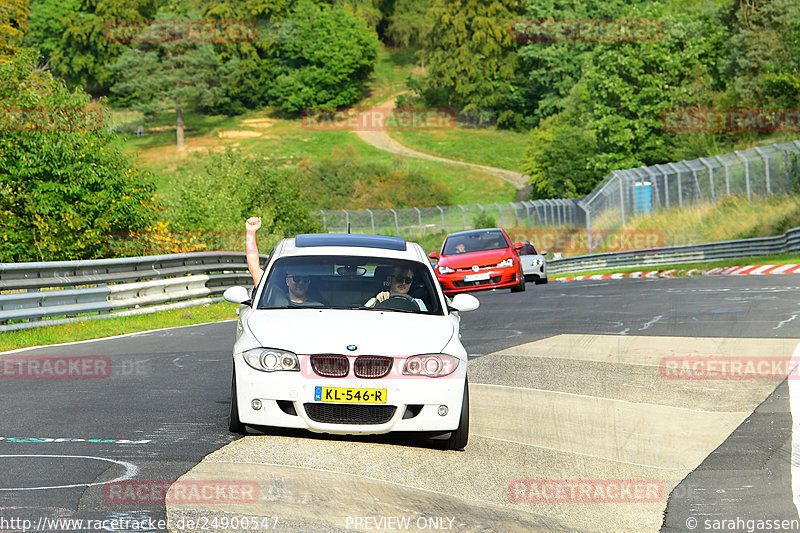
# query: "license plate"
[[477, 277], [343, 395]]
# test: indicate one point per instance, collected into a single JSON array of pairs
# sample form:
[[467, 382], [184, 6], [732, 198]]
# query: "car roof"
[[351, 244], [473, 231]]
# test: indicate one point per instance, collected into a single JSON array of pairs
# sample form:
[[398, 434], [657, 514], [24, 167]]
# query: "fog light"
[[443, 410], [256, 404]]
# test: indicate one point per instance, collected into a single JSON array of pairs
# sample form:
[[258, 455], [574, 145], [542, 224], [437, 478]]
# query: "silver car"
[[534, 265]]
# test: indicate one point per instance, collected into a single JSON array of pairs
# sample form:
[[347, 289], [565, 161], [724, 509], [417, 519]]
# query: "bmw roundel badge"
[[352, 347]]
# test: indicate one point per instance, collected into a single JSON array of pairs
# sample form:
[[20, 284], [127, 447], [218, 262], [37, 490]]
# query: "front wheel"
[[234, 424], [520, 287], [458, 438]]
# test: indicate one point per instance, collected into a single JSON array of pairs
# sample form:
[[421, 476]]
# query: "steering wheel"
[[401, 301]]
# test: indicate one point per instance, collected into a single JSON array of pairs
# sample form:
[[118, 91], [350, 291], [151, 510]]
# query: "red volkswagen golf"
[[477, 260]]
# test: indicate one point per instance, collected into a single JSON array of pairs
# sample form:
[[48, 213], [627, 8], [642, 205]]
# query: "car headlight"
[[445, 270], [432, 365], [506, 263], [270, 359]]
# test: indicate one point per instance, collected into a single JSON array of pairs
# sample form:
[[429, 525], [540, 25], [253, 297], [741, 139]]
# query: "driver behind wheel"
[[399, 283]]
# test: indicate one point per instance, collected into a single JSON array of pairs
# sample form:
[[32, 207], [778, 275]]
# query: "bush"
[[65, 183]]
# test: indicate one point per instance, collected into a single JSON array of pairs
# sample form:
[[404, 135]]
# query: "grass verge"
[[108, 327]]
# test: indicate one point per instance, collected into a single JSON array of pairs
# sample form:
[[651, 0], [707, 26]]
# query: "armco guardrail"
[[673, 255], [46, 293]]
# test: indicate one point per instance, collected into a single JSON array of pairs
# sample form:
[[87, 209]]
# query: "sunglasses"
[[300, 279], [403, 279]]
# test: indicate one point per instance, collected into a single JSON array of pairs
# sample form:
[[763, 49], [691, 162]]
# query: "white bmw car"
[[317, 349]]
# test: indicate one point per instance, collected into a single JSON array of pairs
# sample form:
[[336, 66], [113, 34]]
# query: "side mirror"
[[543, 253], [464, 302], [434, 255], [237, 295]]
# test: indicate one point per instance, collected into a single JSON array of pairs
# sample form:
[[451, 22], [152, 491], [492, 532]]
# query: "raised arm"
[[251, 248]]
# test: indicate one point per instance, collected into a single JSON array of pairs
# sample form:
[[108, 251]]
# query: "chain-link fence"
[[754, 173], [757, 172], [420, 220]]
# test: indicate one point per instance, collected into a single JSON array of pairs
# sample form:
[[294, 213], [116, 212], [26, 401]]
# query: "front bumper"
[[412, 403], [499, 278]]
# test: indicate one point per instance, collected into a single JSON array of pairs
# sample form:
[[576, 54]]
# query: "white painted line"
[[785, 322], [574, 394], [131, 471], [655, 319], [582, 454], [115, 336]]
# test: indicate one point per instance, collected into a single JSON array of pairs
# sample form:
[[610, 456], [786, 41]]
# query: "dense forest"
[[591, 80]]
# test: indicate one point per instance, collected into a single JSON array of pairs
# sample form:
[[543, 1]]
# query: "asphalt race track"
[[587, 414]]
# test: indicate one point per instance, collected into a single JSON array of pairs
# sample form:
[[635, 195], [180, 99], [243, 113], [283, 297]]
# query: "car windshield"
[[474, 242], [347, 282]]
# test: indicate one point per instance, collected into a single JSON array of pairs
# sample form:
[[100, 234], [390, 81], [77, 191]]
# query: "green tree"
[[13, 22], [65, 183], [470, 56], [409, 23], [73, 37], [175, 75], [323, 58]]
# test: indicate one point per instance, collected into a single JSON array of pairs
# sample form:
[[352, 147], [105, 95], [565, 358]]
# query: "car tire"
[[234, 424], [541, 281], [520, 287], [458, 438]]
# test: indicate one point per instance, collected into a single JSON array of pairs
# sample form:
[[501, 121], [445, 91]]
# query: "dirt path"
[[381, 140]]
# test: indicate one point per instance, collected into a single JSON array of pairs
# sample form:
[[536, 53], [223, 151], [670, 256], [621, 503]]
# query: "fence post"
[[727, 175], [588, 225], [621, 197], [396, 224], [710, 176], [785, 162], [746, 171], [419, 219], [766, 167], [325, 220], [680, 189], [372, 220], [499, 215], [514, 207], [528, 207], [654, 187], [441, 211], [463, 217]]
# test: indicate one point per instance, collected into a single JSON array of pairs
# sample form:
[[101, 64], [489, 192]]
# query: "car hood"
[[486, 257], [373, 332]]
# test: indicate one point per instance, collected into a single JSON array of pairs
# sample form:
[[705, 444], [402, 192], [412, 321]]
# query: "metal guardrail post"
[[746, 171], [710, 176], [765, 157]]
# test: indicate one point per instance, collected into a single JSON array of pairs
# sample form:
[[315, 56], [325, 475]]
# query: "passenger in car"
[[251, 226], [460, 248], [399, 282]]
